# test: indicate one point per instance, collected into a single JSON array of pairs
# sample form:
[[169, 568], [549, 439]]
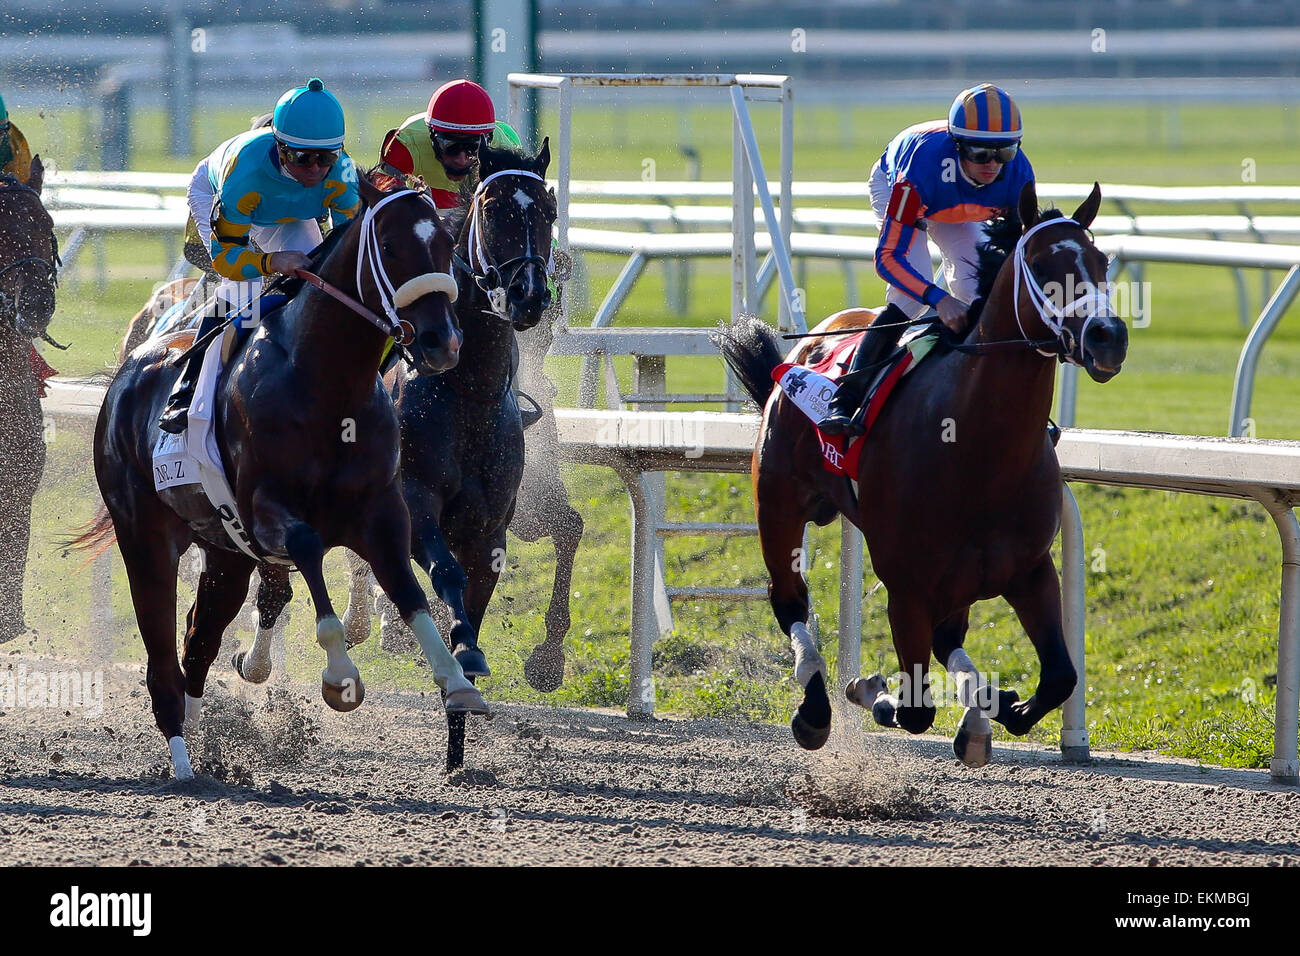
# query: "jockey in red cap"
[[441, 144]]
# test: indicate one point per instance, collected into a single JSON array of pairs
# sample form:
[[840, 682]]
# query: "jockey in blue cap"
[[944, 180], [255, 201]]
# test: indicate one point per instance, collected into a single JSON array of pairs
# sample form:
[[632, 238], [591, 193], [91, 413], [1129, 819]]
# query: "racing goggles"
[[979, 155], [310, 157], [455, 145]]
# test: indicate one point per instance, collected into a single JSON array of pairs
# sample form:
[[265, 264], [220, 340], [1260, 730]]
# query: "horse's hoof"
[[973, 744], [345, 697], [884, 713], [471, 660], [467, 700], [806, 735], [544, 669], [240, 661]]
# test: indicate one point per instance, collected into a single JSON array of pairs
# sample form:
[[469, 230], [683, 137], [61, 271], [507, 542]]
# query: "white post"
[[1074, 720], [787, 193]]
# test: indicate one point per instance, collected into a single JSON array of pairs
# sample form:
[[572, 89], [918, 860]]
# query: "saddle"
[[811, 388]]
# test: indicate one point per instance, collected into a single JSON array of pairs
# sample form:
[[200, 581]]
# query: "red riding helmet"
[[461, 107]]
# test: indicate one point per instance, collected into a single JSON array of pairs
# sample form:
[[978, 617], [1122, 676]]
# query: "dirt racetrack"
[[283, 780]]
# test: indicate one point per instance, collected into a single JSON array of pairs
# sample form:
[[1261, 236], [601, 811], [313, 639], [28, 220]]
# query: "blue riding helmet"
[[309, 117], [985, 115]]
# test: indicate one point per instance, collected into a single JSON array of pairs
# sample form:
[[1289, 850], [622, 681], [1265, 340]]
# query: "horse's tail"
[[97, 536], [751, 350]]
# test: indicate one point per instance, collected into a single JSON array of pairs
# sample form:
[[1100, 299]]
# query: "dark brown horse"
[[309, 441], [462, 436], [28, 261], [960, 491]]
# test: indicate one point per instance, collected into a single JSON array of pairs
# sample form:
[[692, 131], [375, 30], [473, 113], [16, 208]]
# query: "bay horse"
[[462, 435], [309, 441], [28, 276], [960, 486]]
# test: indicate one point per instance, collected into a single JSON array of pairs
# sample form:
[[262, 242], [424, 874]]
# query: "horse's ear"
[[543, 158], [1087, 210], [1028, 206], [36, 178], [370, 193]]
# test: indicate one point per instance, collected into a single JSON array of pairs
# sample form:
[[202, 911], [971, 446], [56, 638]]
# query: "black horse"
[[462, 435], [309, 441]]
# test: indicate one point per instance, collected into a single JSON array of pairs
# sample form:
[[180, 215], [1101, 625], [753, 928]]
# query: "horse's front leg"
[[385, 543], [278, 530], [429, 548], [223, 585], [912, 626], [1036, 598], [973, 743], [273, 594]]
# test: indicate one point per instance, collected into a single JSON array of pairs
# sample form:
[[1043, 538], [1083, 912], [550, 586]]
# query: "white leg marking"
[[968, 680], [446, 670], [180, 759], [807, 660], [338, 666]]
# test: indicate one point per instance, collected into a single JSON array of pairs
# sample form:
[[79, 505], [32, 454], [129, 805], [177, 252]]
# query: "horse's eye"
[[387, 247]]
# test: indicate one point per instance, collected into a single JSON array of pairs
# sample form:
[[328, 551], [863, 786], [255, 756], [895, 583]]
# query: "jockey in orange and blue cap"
[[944, 180]]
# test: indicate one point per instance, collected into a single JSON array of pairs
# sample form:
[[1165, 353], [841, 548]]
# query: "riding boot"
[[176, 415], [844, 415]]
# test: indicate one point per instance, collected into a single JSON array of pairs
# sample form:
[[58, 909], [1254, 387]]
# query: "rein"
[[1062, 343]]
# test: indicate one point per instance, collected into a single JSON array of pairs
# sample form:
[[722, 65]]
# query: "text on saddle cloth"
[[193, 457], [812, 387]]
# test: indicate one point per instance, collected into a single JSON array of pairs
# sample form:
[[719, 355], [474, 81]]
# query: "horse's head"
[[507, 233], [28, 255], [1061, 284], [404, 263]]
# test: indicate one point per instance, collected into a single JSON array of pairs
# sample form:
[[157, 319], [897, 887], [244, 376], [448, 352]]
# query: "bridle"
[[391, 299], [1049, 313], [8, 303], [494, 278]]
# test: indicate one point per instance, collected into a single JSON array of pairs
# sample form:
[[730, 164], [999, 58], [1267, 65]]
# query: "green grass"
[[1183, 598]]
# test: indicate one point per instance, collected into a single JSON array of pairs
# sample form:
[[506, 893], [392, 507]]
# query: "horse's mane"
[[1000, 238]]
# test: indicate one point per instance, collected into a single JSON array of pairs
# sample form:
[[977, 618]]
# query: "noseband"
[[1048, 312], [491, 277]]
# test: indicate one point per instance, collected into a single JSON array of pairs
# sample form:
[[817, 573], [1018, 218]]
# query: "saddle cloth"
[[811, 388], [193, 457]]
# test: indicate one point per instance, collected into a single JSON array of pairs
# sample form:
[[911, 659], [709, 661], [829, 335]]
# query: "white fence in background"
[[635, 443]]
